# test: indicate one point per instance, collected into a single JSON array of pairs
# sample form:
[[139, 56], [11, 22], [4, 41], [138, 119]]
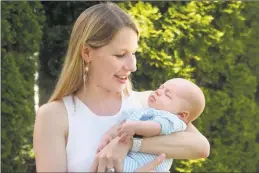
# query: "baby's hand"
[[126, 131]]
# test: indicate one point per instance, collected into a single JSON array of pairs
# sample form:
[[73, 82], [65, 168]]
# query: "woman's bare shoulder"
[[52, 107], [53, 114]]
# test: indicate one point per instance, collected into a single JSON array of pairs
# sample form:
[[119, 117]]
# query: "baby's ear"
[[184, 114]]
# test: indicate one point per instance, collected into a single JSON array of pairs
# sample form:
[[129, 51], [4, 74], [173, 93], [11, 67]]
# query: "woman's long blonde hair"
[[96, 27]]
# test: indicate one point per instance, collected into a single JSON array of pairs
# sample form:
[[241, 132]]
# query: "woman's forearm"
[[189, 144]]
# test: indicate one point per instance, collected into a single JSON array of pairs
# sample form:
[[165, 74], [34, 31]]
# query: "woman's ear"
[[85, 53]]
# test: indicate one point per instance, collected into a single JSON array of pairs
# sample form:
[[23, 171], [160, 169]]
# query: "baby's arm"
[[169, 122], [143, 128], [164, 123]]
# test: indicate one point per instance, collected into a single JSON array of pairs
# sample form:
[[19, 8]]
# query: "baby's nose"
[[159, 92]]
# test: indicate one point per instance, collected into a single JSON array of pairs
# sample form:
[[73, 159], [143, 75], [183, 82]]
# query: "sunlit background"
[[215, 44]]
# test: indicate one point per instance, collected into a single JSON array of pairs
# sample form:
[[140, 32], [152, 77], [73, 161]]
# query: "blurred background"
[[214, 44]]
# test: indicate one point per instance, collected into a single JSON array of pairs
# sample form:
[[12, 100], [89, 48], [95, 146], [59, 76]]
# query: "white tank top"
[[86, 130]]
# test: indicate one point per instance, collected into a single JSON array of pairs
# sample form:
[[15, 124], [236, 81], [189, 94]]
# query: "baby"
[[173, 105]]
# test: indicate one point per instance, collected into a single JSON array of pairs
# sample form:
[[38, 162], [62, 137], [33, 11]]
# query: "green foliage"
[[21, 35], [60, 18], [215, 45]]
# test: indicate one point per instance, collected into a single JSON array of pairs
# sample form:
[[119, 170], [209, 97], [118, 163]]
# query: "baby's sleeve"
[[125, 115], [169, 122], [131, 114], [135, 114]]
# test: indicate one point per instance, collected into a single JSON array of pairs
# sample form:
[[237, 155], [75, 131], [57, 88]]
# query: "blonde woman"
[[93, 89]]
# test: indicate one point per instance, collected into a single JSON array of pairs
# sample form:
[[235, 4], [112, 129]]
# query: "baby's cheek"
[[166, 107]]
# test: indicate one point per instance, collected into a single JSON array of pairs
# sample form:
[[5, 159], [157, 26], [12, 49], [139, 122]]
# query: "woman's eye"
[[120, 56], [123, 55]]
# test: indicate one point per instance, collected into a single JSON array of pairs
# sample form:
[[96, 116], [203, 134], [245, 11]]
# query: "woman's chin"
[[119, 89]]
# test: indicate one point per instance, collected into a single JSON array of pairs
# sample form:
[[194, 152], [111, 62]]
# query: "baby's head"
[[179, 96]]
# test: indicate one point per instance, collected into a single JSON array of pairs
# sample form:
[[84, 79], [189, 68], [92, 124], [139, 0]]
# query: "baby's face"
[[167, 97]]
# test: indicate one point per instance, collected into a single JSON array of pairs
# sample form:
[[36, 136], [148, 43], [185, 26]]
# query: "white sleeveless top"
[[86, 130]]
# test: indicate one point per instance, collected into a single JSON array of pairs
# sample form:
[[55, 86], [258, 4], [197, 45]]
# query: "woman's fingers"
[[104, 143], [94, 166], [121, 123], [150, 166], [113, 152], [109, 163], [123, 138], [100, 148], [120, 132], [102, 163], [120, 127], [128, 139], [117, 166]]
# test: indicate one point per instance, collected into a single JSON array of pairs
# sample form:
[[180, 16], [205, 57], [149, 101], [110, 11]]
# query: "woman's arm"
[[190, 144], [50, 128]]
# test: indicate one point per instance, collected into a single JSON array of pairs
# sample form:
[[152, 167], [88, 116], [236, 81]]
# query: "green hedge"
[[21, 35]]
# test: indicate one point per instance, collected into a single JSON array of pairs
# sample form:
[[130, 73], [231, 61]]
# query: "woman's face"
[[112, 64]]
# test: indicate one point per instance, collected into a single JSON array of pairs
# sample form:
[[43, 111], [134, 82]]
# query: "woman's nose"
[[131, 63]]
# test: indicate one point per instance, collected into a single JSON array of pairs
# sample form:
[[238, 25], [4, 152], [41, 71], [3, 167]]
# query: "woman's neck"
[[100, 101]]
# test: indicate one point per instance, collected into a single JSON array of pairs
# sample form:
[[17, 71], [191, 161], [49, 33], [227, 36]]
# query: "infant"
[[172, 106]]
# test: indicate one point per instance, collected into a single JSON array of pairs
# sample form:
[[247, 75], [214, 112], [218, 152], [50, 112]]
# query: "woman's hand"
[[107, 138], [112, 156]]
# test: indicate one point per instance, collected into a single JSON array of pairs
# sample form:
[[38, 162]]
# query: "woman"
[[92, 90]]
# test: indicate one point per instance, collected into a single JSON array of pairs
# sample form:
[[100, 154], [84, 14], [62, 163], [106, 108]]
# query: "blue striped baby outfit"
[[169, 123]]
